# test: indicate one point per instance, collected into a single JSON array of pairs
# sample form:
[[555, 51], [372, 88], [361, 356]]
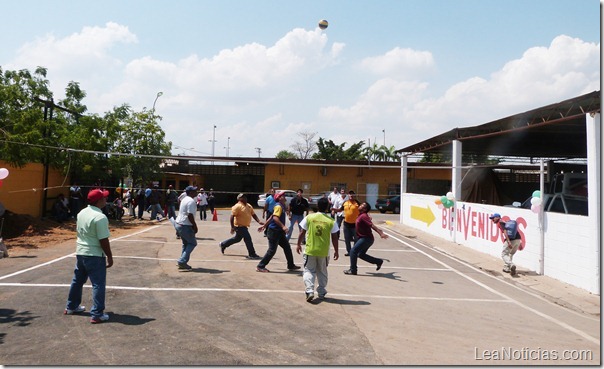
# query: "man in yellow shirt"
[[241, 218], [351, 213]]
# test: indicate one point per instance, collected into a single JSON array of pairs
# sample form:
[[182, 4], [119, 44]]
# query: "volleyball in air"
[[323, 24]]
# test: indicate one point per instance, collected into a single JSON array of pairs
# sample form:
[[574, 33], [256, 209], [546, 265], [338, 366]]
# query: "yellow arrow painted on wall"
[[422, 214]]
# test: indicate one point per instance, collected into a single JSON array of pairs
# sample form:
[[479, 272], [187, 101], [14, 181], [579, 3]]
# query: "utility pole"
[[49, 106], [213, 140], [384, 132], [259, 150], [228, 146]]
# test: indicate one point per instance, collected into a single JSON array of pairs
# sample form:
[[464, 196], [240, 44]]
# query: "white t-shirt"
[[202, 199], [188, 205], [338, 202]]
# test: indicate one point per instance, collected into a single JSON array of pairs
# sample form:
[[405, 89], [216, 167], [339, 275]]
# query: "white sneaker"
[[100, 319], [79, 309]]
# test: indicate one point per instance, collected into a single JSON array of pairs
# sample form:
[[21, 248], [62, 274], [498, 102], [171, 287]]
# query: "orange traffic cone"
[[215, 216]]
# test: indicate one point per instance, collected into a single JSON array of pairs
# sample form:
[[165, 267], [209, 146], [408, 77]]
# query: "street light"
[[384, 132], [157, 97]]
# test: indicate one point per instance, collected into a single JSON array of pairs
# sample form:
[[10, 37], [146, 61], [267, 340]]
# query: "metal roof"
[[556, 130]]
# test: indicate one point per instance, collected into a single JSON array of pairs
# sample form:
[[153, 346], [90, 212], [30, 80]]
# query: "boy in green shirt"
[[320, 228]]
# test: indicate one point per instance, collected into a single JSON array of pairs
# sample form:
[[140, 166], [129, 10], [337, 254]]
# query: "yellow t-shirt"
[[351, 211], [242, 214]]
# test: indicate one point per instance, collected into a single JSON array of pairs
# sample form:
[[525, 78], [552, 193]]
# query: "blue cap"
[[190, 188], [496, 215]]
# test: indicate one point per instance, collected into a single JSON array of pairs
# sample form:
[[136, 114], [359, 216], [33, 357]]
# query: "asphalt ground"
[[423, 307]]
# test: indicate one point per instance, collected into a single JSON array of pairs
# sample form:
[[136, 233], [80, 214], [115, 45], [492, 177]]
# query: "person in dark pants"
[[140, 202], [365, 239], [276, 234], [93, 257], [241, 218], [211, 201], [186, 226]]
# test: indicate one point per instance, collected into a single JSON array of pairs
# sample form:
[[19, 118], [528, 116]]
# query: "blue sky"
[[262, 71]]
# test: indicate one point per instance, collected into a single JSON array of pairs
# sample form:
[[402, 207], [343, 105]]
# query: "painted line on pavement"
[[64, 257], [492, 290], [251, 290]]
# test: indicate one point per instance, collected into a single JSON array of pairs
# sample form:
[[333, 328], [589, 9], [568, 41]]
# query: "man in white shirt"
[[186, 226]]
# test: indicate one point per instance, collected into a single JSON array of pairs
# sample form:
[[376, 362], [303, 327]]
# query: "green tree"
[[21, 115], [34, 129], [284, 154], [328, 150]]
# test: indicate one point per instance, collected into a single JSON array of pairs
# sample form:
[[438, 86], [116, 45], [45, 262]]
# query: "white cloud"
[[400, 63], [262, 95], [543, 75]]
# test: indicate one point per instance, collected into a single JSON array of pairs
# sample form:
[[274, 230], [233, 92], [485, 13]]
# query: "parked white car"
[[289, 195]]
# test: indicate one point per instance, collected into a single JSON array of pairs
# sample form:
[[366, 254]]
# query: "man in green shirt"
[[93, 257], [320, 228]]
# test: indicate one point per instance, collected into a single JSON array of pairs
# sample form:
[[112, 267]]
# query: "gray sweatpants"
[[315, 267]]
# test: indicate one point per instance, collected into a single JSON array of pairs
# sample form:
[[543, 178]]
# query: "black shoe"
[[513, 270], [184, 266], [293, 267], [222, 248], [309, 296], [350, 272], [346, 254], [379, 264], [253, 257]]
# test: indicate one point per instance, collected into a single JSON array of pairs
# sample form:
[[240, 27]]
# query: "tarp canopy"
[[553, 131]]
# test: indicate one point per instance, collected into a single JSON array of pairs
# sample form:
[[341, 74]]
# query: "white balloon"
[[536, 201], [3, 173], [450, 196]]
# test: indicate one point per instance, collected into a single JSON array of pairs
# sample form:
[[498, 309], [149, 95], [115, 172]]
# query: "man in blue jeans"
[[93, 257], [297, 207], [186, 226]]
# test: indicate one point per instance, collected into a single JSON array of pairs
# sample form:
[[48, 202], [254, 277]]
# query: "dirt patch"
[[26, 232]]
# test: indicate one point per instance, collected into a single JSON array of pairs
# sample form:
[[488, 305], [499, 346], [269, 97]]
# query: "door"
[[372, 191]]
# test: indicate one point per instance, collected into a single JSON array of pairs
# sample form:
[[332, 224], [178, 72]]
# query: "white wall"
[[568, 250]]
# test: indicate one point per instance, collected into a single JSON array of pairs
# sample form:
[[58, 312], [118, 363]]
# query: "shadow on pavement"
[[206, 270], [331, 300], [128, 319], [20, 319]]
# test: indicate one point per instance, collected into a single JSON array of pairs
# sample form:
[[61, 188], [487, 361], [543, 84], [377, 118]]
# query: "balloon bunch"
[[536, 202], [445, 202], [3, 174]]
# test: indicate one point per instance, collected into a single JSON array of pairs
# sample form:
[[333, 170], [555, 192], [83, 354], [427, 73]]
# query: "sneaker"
[[346, 254], [99, 319], [293, 267], [513, 270], [253, 257], [350, 272], [379, 264], [222, 248], [262, 270], [79, 309], [184, 266], [321, 297], [309, 296]]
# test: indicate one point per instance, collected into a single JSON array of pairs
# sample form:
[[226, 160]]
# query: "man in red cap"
[[93, 257]]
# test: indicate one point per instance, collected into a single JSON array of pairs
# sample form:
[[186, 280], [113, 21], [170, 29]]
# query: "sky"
[[392, 72]]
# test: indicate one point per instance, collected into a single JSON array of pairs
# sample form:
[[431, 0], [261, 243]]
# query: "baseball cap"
[[95, 195], [278, 196], [241, 195], [190, 188], [496, 215]]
